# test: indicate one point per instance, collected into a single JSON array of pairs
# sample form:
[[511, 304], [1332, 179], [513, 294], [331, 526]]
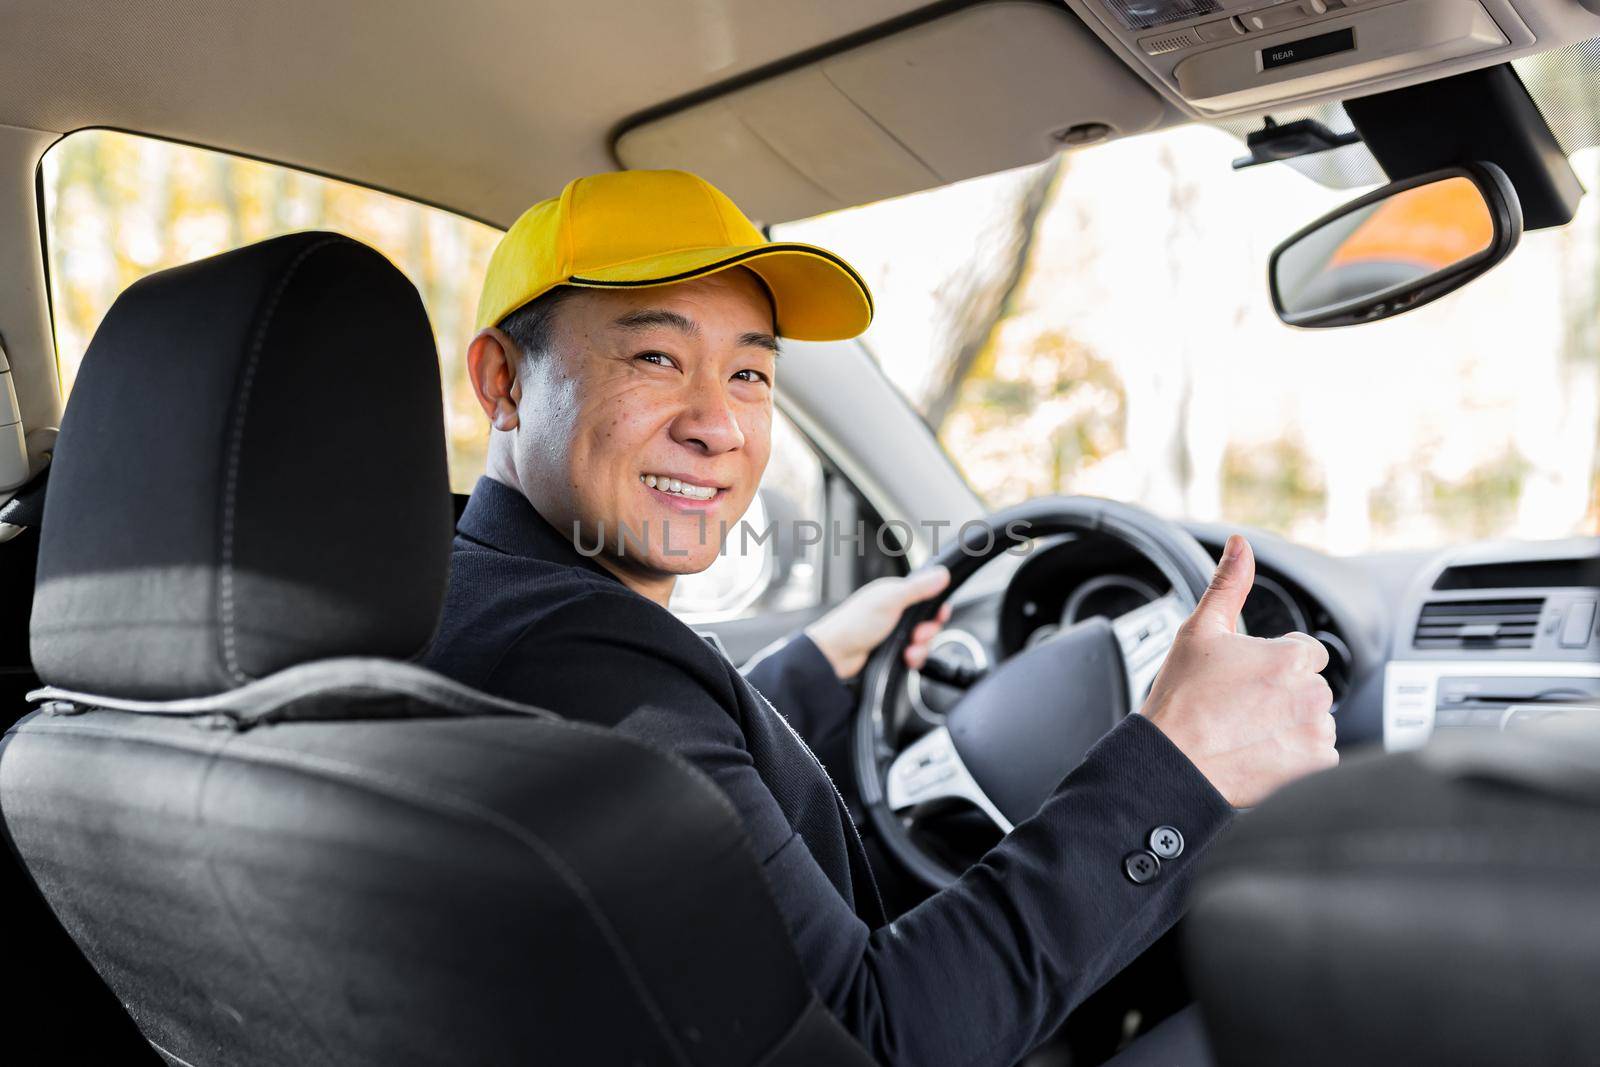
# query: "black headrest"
[[250, 475]]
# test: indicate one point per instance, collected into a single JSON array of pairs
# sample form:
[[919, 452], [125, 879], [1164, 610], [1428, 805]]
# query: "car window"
[[1100, 324], [120, 206], [772, 558]]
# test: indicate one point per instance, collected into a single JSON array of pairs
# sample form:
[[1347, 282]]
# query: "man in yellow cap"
[[626, 357]]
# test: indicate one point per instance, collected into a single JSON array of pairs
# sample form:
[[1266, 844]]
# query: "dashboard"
[[1089, 576], [1502, 637], [1421, 644]]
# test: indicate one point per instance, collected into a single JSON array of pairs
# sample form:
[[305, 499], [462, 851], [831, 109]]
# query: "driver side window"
[[120, 206], [772, 560]]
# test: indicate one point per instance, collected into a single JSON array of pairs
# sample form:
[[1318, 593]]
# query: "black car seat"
[[51, 988], [274, 838], [1440, 906]]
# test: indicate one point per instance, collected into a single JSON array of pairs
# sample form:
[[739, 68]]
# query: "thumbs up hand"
[[1251, 714]]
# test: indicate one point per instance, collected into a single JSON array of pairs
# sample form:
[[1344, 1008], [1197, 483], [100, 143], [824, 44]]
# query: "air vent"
[[1474, 624], [1522, 574], [1171, 42]]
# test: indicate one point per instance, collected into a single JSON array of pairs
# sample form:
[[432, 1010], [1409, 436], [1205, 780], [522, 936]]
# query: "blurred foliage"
[[1484, 502], [1027, 416], [120, 206], [1481, 503], [1275, 485]]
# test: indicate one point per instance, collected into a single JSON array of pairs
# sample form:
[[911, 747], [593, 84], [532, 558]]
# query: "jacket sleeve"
[[978, 973], [797, 679]]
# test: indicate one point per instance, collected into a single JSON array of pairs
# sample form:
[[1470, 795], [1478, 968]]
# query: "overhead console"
[[1225, 56]]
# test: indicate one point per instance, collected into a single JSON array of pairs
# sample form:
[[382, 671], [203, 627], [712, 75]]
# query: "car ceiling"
[[485, 106], [482, 106]]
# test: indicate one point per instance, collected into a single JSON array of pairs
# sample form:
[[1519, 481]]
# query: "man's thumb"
[[1223, 600]]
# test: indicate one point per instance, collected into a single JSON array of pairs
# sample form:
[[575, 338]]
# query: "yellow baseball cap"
[[637, 228]]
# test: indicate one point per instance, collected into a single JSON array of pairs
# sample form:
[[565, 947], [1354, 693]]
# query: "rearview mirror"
[[1396, 248]]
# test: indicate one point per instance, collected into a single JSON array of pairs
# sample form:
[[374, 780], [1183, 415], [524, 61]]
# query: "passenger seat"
[[275, 837]]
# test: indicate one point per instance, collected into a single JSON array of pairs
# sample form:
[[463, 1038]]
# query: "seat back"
[[1437, 906], [53, 987], [475, 888], [276, 840]]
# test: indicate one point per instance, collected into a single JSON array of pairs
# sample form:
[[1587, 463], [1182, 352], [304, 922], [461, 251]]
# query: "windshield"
[[1100, 324]]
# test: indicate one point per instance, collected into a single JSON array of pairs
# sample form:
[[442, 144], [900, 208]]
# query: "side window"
[[773, 558], [119, 206]]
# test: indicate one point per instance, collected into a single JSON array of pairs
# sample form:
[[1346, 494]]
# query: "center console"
[[1497, 638]]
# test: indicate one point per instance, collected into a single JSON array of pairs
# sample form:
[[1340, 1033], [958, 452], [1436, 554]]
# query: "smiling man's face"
[[650, 417]]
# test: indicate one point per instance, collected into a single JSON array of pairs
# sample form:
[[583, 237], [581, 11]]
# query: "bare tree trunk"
[[983, 292]]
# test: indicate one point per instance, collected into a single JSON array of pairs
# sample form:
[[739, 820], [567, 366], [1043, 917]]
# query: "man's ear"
[[492, 366]]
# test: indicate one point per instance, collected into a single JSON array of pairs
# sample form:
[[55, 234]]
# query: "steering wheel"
[[1013, 736]]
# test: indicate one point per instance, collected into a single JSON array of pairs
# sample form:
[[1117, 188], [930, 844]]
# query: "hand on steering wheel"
[[847, 634], [1244, 711]]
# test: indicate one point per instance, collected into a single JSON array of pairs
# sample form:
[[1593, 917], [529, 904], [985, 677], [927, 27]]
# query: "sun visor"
[[983, 89]]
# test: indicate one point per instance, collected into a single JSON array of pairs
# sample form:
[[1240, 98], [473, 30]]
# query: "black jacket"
[[978, 973]]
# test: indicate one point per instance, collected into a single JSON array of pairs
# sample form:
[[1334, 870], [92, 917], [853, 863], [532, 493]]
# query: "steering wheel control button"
[[1141, 867], [1166, 842]]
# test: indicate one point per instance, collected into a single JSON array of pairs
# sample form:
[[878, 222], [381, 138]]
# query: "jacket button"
[[1141, 867], [1166, 842]]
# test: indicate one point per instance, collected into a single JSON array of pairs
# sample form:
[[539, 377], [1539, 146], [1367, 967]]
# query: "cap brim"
[[819, 296]]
